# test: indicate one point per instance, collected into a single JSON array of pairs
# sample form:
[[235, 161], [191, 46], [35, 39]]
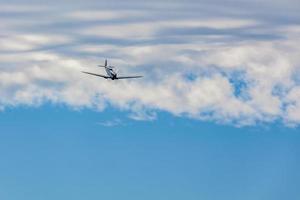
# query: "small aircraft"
[[111, 74]]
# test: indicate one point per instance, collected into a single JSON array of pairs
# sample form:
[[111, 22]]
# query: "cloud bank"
[[203, 60]]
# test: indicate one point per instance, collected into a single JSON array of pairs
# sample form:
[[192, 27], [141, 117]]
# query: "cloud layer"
[[207, 61]]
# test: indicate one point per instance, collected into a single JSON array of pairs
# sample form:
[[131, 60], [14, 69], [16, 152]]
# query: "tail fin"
[[105, 64]]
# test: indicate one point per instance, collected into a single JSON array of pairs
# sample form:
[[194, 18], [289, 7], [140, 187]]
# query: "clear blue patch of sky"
[[56, 153], [239, 84]]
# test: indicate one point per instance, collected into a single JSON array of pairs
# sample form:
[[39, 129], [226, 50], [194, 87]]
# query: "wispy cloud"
[[190, 54], [112, 123]]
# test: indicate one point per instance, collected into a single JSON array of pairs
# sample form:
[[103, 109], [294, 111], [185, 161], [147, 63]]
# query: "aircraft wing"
[[96, 74], [126, 77]]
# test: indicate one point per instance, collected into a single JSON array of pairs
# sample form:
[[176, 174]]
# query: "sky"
[[216, 115]]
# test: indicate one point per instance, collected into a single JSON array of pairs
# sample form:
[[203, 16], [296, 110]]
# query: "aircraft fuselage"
[[111, 73]]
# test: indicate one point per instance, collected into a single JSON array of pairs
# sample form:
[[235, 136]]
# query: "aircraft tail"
[[105, 64]]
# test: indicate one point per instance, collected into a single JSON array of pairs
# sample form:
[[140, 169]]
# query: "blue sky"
[[56, 153], [216, 115]]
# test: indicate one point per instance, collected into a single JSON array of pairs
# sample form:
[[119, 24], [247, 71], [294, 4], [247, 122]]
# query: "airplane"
[[111, 74]]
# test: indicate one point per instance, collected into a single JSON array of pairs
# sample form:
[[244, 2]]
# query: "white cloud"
[[112, 123], [27, 42], [190, 73], [293, 108]]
